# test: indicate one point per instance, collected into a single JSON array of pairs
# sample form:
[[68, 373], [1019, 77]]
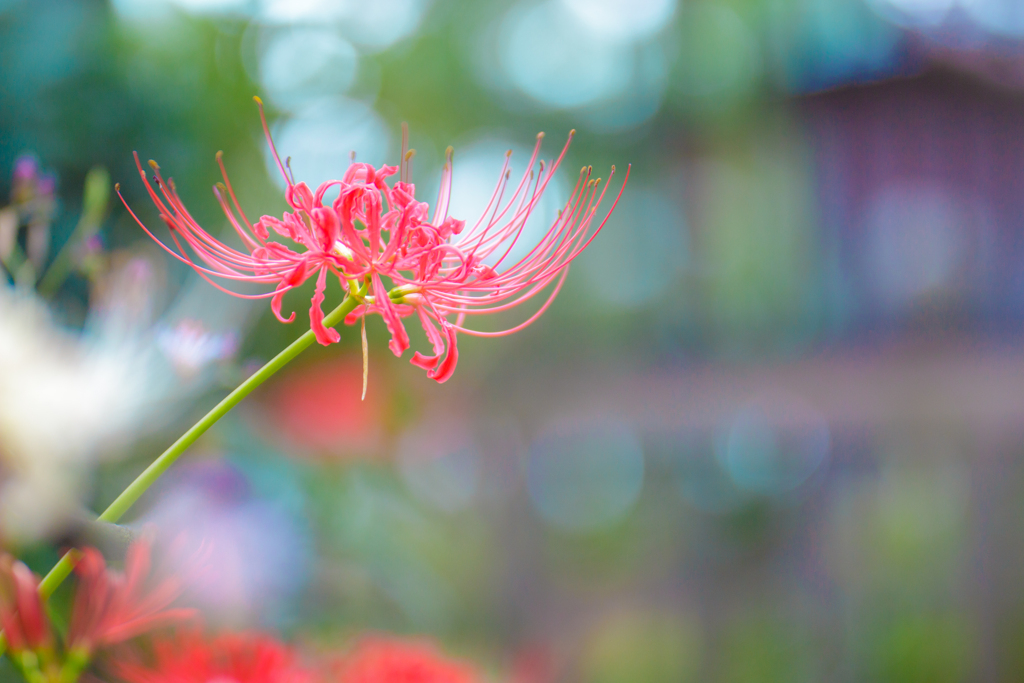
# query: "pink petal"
[[443, 372], [299, 196], [275, 305], [399, 337], [324, 335]]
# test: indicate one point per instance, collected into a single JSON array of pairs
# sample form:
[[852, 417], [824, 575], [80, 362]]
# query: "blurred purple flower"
[[190, 346]]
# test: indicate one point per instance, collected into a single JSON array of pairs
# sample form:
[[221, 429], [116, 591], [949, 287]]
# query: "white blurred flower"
[[63, 399]]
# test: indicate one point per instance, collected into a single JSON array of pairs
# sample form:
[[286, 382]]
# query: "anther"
[[154, 165], [257, 100], [117, 187], [219, 155], [540, 135]]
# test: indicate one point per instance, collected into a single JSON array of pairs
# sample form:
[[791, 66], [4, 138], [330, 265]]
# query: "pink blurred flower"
[[111, 607], [390, 660], [22, 615], [376, 232], [187, 657]]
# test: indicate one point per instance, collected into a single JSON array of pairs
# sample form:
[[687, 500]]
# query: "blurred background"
[[771, 430]]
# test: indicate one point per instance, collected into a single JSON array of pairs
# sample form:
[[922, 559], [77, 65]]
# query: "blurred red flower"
[[188, 657], [390, 660], [21, 609], [111, 607], [305, 405]]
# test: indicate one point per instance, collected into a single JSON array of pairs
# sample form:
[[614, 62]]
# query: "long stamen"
[[408, 165], [403, 173], [445, 191], [270, 140], [450, 277], [231, 191]]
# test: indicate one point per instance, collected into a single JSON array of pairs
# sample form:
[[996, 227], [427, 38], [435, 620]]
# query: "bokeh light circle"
[[322, 135], [640, 251], [916, 243], [547, 53], [1003, 17], [622, 20], [702, 481], [586, 476], [772, 445], [440, 464], [373, 25], [299, 64], [639, 101]]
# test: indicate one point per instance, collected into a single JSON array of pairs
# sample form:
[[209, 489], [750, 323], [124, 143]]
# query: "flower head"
[[389, 249], [111, 607], [187, 657], [387, 660]]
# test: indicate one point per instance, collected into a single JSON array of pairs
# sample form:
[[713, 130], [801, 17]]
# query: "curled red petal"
[[299, 196], [275, 305], [435, 339], [399, 337], [260, 229], [446, 368], [324, 335]]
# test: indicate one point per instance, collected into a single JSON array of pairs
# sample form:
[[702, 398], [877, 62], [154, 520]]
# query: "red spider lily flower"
[[187, 657], [111, 607], [22, 615], [385, 660], [376, 232]]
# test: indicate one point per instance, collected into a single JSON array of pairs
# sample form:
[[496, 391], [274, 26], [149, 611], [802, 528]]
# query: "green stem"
[[131, 494], [94, 203]]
